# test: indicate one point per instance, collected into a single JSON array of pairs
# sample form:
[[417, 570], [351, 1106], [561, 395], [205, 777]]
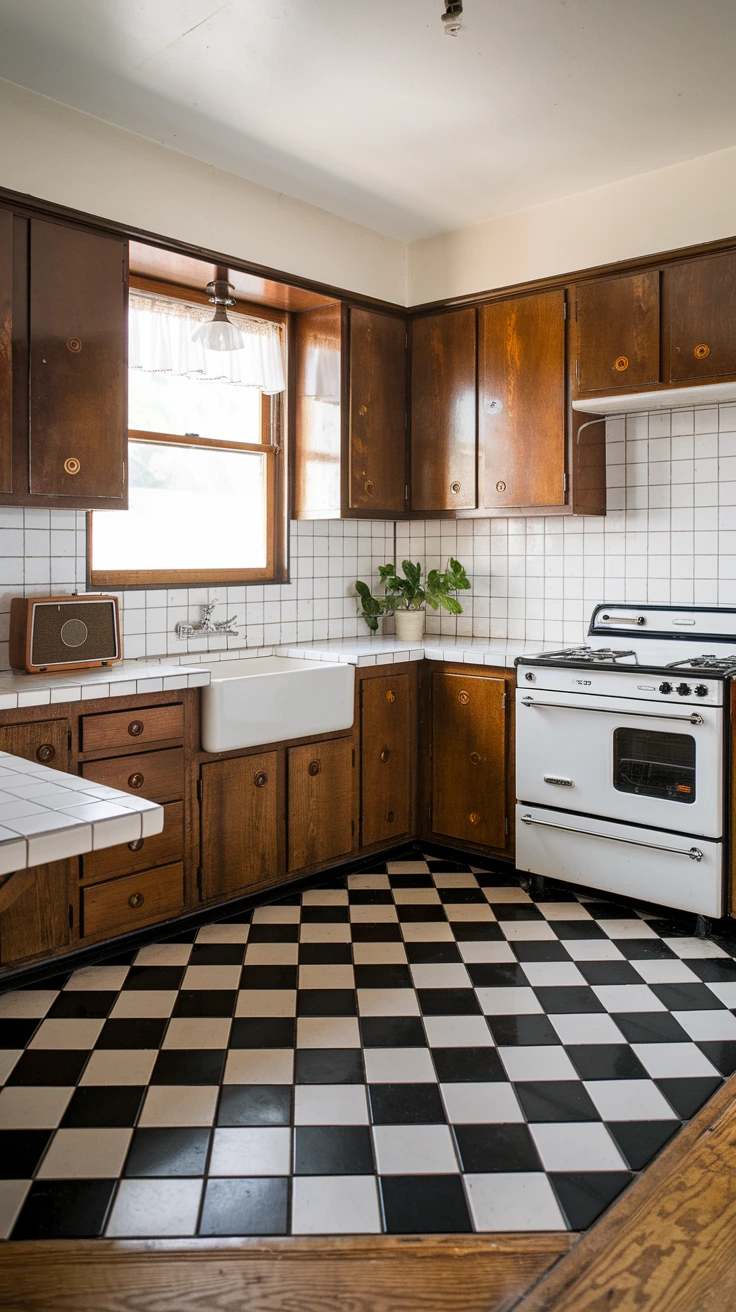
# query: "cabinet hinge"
[[564, 309], [503, 701], [71, 916], [122, 271], [199, 790], [353, 758], [564, 482], [69, 739], [506, 826], [199, 880]]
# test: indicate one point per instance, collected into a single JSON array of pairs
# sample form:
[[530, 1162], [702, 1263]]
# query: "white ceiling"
[[366, 108]]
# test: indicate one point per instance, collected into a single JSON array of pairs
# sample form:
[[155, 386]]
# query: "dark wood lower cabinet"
[[239, 824], [38, 922], [320, 807], [45, 741], [468, 763], [386, 743]]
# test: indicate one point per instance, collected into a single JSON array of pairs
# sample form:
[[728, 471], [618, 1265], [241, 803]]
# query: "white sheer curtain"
[[160, 341]]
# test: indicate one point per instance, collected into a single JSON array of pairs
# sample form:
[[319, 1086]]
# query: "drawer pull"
[[135, 780], [46, 752], [72, 465], [474, 818], [135, 728], [500, 486], [454, 488], [136, 844], [621, 364], [260, 779], [701, 351], [385, 755], [390, 816], [463, 698], [368, 487], [136, 900], [475, 758], [314, 767]]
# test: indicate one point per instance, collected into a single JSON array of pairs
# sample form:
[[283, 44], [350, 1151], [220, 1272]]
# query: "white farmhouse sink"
[[267, 699]]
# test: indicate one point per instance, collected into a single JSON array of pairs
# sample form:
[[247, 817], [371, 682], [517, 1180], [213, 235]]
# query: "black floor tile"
[[467, 1065], [17, 1033], [167, 1152], [57, 981], [721, 1054], [380, 932], [21, 1152], [392, 1032], [332, 1150], [455, 895], [606, 1061], [432, 953], [713, 970], [609, 972], [370, 897], [406, 1104], [477, 931], [688, 1095], [416, 912], [315, 954], [42, 1066], [645, 949], [577, 929], [687, 997], [512, 911], [650, 1027], [246, 1207], [263, 1032], [528, 950], [329, 1066], [411, 881], [485, 1148], [575, 999], [640, 1141], [106, 1106], [64, 1209], [254, 1104], [555, 1100], [325, 915], [205, 1002], [424, 1204], [499, 878], [217, 954], [273, 977], [189, 1066], [501, 976], [393, 976], [448, 1002], [146, 1032], [154, 977], [584, 1195], [522, 1031], [81, 1004], [602, 910], [273, 934], [326, 1002], [240, 917]]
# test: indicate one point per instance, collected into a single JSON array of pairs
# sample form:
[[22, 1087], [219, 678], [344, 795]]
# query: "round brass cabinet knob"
[[136, 900], [500, 486], [385, 755], [701, 351], [463, 698], [368, 487], [475, 758], [136, 844], [135, 780], [390, 696], [45, 752], [74, 345], [72, 465], [314, 767], [390, 817], [455, 488], [363, 410], [474, 818], [135, 728], [260, 779], [621, 363]]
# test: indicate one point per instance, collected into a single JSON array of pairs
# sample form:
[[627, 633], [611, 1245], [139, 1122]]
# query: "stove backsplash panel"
[[669, 536]]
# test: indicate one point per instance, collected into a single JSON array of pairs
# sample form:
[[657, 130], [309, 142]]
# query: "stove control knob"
[[684, 690], [665, 687], [701, 690], [530, 675]]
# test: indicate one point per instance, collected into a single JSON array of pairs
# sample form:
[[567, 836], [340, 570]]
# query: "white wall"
[[659, 211], [59, 154]]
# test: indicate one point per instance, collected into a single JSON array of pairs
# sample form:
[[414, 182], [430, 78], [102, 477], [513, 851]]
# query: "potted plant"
[[405, 597]]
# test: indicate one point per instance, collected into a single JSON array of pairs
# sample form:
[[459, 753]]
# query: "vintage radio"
[[63, 633]]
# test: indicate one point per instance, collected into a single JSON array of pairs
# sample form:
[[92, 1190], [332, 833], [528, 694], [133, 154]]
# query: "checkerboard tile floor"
[[419, 1048]]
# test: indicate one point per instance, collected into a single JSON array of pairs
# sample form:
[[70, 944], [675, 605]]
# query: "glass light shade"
[[219, 334]]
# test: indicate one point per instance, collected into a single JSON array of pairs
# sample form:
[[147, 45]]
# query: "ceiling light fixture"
[[453, 17], [219, 334]]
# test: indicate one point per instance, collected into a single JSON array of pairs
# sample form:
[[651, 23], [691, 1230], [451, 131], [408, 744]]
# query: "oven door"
[[622, 758], [624, 859]]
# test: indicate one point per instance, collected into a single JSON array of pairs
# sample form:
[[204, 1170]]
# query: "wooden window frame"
[[272, 447]]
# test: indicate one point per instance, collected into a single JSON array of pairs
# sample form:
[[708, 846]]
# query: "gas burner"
[[707, 662], [590, 656]]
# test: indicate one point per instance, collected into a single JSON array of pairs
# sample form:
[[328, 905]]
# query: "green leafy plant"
[[406, 591]]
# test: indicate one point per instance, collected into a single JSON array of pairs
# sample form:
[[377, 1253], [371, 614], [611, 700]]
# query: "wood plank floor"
[[455, 1273]]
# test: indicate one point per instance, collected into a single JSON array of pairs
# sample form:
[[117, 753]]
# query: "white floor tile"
[[361, 914], [670, 1061], [450, 975], [628, 997], [417, 931], [414, 1150], [577, 1146], [368, 881], [552, 974], [277, 915], [197, 1032], [379, 954], [563, 911], [593, 949], [588, 1027], [213, 977], [454, 879], [509, 1001], [667, 971], [629, 1100], [416, 897], [119, 1066], [179, 1104], [334, 1205], [223, 934], [697, 949], [269, 954], [399, 1066], [327, 1032], [485, 951], [326, 977], [155, 1209], [103, 978], [66, 1034], [726, 993], [34, 1107], [514, 1200], [259, 1066], [703, 1026], [85, 1155], [12, 1197], [457, 1032], [330, 1104], [261, 1150], [134, 1003], [634, 928], [507, 895], [407, 868], [541, 1062], [325, 897], [26, 1004], [8, 1058], [388, 1002], [164, 954], [321, 932], [465, 911], [266, 1002], [481, 1104], [527, 931]]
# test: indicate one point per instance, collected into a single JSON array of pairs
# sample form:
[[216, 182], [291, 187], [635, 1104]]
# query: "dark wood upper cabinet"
[[700, 318], [521, 401], [469, 758], [616, 333], [386, 741], [239, 819], [6, 350], [443, 411], [350, 413]]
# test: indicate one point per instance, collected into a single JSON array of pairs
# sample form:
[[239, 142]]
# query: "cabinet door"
[[377, 435], [469, 758], [521, 401], [385, 758], [443, 418], [318, 336], [320, 802], [78, 357], [6, 350], [239, 822], [700, 300], [39, 920], [45, 741], [617, 332]]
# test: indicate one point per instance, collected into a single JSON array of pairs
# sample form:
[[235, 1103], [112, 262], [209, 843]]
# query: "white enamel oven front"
[[669, 869], [648, 763]]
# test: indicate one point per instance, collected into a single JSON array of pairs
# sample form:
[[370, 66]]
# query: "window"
[[205, 494]]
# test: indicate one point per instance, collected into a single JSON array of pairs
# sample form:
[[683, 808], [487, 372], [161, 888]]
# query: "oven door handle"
[[694, 853], [608, 710]]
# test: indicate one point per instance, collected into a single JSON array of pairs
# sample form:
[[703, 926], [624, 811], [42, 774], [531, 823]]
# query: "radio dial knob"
[[684, 690], [665, 687]]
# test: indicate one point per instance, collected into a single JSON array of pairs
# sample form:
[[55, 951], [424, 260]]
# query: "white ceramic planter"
[[409, 625]]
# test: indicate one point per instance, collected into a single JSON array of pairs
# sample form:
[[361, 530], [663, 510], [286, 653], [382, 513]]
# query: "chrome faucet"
[[205, 625]]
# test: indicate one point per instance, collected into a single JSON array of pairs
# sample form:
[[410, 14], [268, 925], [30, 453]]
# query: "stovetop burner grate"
[[705, 662], [589, 656]]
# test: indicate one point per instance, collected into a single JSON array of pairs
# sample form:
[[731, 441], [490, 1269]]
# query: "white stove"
[[621, 755]]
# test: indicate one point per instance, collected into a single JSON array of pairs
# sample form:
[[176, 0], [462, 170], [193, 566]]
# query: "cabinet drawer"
[[159, 776], [126, 728], [127, 858], [134, 900]]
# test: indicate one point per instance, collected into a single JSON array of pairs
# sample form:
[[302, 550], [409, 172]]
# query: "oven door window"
[[654, 764]]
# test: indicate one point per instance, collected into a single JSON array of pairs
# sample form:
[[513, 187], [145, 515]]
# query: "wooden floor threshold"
[[669, 1244]]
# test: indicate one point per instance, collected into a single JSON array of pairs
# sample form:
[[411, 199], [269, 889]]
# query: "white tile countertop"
[[126, 679], [501, 652], [46, 815]]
